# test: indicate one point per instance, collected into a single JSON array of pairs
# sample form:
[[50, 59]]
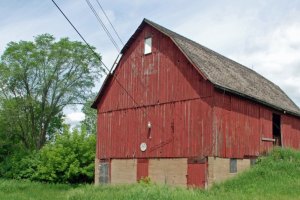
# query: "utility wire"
[[110, 23], [107, 73], [140, 80], [115, 33], [103, 25], [97, 56]]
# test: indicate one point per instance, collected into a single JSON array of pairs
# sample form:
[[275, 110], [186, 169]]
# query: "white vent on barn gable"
[[148, 45]]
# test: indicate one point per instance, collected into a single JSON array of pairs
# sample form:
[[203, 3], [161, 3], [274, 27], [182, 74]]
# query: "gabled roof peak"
[[229, 75], [225, 73]]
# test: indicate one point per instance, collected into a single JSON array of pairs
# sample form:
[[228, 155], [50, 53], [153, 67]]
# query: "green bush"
[[21, 164], [68, 158]]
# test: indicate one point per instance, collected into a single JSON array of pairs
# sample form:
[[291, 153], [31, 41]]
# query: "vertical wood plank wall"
[[188, 116]]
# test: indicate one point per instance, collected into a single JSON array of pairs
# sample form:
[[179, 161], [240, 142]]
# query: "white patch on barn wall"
[[143, 146]]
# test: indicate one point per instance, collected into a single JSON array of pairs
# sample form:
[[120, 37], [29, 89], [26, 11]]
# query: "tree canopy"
[[38, 79]]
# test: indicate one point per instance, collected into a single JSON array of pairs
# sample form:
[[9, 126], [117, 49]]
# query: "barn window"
[[104, 172], [148, 45], [252, 161], [233, 165]]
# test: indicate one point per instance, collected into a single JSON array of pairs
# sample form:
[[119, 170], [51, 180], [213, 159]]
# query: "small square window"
[[148, 45], [233, 165], [252, 162]]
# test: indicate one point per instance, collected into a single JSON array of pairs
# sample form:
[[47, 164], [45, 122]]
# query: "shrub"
[[20, 164], [68, 158]]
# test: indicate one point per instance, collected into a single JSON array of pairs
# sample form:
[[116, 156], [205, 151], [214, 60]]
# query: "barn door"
[[142, 168], [276, 129], [197, 171]]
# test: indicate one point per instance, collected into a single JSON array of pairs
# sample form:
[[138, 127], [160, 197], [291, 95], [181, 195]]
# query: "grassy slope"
[[274, 177]]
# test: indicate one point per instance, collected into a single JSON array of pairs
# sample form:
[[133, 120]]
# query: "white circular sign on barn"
[[143, 146]]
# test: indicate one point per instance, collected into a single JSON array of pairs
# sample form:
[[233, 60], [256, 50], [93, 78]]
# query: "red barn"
[[182, 114]]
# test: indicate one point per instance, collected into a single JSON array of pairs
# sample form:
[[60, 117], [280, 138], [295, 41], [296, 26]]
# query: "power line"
[[110, 23], [140, 80], [80, 35], [103, 25], [116, 34], [107, 73]]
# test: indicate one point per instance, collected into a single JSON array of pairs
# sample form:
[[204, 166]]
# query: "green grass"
[[274, 177]]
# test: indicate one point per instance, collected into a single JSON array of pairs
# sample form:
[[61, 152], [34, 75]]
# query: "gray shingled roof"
[[230, 75]]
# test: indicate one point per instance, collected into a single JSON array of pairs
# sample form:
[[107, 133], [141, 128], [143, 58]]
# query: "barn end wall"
[[123, 171], [168, 93], [97, 171], [177, 130], [168, 171], [163, 76], [173, 171]]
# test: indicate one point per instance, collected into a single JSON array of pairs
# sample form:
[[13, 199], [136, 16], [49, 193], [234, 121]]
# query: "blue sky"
[[262, 35]]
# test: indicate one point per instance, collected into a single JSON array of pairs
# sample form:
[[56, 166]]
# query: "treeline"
[[38, 80]]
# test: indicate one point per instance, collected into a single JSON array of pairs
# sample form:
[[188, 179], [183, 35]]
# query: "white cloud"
[[74, 118], [259, 34], [275, 55]]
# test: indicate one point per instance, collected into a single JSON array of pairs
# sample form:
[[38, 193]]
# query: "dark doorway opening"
[[277, 129]]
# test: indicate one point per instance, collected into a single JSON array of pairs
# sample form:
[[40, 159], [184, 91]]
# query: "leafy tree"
[[9, 143], [38, 79], [90, 120]]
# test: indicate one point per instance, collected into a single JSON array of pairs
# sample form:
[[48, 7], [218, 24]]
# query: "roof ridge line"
[[173, 35]]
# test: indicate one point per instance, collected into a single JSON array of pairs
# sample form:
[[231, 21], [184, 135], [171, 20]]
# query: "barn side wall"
[[239, 126], [290, 131]]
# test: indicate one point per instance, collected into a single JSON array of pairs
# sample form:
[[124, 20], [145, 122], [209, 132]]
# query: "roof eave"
[[256, 100]]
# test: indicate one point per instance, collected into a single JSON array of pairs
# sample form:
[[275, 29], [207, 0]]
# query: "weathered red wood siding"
[[180, 129], [163, 76], [290, 130], [238, 126], [189, 117], [170, 94]]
